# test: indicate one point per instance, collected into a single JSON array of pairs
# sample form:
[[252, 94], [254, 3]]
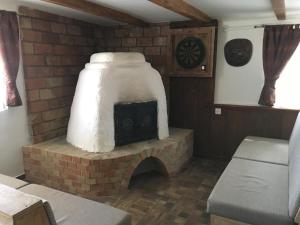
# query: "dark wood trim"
[[183, 8], [99, 10], [236, 122], [192, 24], [279, 9], [253, 107]]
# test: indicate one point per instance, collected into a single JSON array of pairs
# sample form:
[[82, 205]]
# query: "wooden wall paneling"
[[237, 122], [191, 106], [191, 102]]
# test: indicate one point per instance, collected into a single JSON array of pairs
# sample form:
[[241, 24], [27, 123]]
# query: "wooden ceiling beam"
[[99, 10], [183, 8], [279, 9]]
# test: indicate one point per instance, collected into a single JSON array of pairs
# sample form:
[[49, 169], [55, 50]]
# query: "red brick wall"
[[152, 41], [54, 50]]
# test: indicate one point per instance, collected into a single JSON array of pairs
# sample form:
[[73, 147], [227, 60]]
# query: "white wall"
[[241, 85], [14, 130]]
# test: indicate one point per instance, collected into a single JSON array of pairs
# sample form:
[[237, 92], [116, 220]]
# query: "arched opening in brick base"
[[148, 168]]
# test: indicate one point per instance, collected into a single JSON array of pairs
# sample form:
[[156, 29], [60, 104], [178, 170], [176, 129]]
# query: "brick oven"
[[118, 122], [109, 79]]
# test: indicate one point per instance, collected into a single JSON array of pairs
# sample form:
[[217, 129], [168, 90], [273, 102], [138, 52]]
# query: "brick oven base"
[[57, 164]]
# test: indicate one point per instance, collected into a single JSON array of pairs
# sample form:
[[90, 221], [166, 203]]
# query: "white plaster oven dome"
[[108, 79], [117, 57]]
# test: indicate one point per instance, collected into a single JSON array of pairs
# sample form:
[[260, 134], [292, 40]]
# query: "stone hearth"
[[57, 164]]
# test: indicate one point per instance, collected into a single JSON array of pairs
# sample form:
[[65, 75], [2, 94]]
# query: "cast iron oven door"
[[135, 122]]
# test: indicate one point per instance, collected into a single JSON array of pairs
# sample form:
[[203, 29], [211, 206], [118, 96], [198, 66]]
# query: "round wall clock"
[[238, 52], [190, 52]]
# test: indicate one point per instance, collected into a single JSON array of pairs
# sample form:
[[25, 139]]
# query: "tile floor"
[[156, 200]]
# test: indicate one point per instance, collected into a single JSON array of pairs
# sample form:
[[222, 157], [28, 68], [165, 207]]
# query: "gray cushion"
[[294, 169], [252, 192], [294, 139], [263, 149], [12, 182], [73, 210]]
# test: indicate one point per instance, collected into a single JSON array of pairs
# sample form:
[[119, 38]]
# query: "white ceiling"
[[224, 10]]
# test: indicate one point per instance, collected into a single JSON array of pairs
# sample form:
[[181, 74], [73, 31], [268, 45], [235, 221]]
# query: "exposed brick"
[[46, 94], [160, 41], [165, 30], [164, 51], [38, 71], [50, 38], [66, 39], [152, 50], [48, 126], [33, 60], [66, 61], [122, 49], [80, 41], [114, 42], [85, 50], [73, 30], [25, 22], [55, 114], [30, 35], [60, 102], [41, 25], [35, 83], [64, 50], [33, 95], [100, 176], [91, 41], [121, 33], [27, 48], [54, 82], [87, 30], [144, 41], [53, 60], [74, 70], [129, 42], [99, 33], [136, 49], [61, 71], [56, 92], [152, 31], [42, 48], [36, 118], [136, 32], [58, 28], [38, 106]]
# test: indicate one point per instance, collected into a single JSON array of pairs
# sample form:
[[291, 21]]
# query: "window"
[[288, 85], [2, 88]]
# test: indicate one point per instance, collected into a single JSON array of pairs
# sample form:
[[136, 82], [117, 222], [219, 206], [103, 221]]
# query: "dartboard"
[[190, 52]]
